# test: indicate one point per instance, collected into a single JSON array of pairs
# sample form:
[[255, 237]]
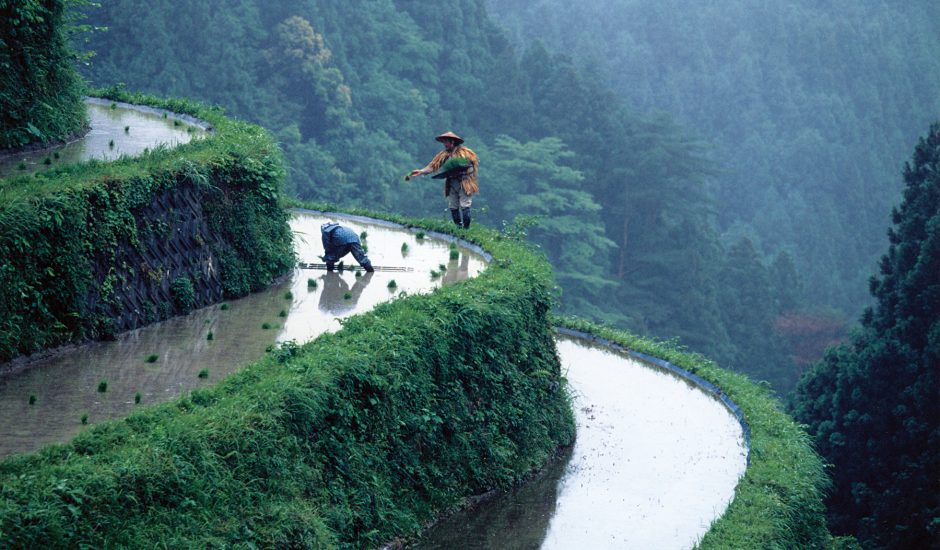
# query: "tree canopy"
[[356, 91], [811, 108], [873, 404]]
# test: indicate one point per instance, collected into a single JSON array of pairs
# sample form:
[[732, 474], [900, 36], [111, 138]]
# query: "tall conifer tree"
[[873, 406]]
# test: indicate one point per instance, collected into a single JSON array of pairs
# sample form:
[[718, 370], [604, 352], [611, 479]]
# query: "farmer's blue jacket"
[[336, 237]]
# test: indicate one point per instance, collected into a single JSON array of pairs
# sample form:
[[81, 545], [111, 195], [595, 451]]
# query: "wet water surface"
[[107, 139], [65, 384], [655, 462]]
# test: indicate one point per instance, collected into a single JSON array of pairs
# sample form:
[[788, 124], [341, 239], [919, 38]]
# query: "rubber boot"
[[466, 217], [455, 215]]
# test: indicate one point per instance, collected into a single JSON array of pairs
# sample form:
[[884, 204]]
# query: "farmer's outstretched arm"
[[435, 163]]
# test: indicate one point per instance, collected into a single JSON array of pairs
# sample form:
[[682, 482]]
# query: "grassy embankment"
[[360, 435], [353, 439], [778, 503], [68, 235]]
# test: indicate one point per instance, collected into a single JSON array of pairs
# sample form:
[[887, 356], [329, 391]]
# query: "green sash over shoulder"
[[452, 168]]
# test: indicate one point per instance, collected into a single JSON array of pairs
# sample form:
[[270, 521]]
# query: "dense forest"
[[872, 403], [811, 107], [622, 202], [742, 224]]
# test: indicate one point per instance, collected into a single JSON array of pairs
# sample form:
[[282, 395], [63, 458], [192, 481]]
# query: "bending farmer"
[[458, 168], [339, 241]]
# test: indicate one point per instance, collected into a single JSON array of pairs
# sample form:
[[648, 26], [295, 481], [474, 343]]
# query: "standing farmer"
[[339, 241], [458, 165]]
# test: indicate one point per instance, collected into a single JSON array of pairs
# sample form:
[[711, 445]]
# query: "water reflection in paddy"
[[65, 383], [655, 462], [107, 138]]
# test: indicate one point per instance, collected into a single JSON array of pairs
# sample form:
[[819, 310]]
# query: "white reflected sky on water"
[[655, 462], [317, 309], [145, 130], [65, 383]]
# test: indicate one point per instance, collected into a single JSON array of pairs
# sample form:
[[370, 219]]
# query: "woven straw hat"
[[449, 135]]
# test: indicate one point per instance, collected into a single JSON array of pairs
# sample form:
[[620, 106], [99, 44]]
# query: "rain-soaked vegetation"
[[718, 177], [360, 436]]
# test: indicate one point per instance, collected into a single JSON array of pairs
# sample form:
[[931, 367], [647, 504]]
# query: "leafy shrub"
[[360, 436], [184, 295], [40, 92], [61, 230]]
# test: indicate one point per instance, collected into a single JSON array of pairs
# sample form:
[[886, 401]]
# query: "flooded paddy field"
[[655, 462], [115, 129], [64, 384]]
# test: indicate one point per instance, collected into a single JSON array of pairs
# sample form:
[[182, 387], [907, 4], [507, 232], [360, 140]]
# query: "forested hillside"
[[625, 203], [872, 404], [742, 223], [812, 108]]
